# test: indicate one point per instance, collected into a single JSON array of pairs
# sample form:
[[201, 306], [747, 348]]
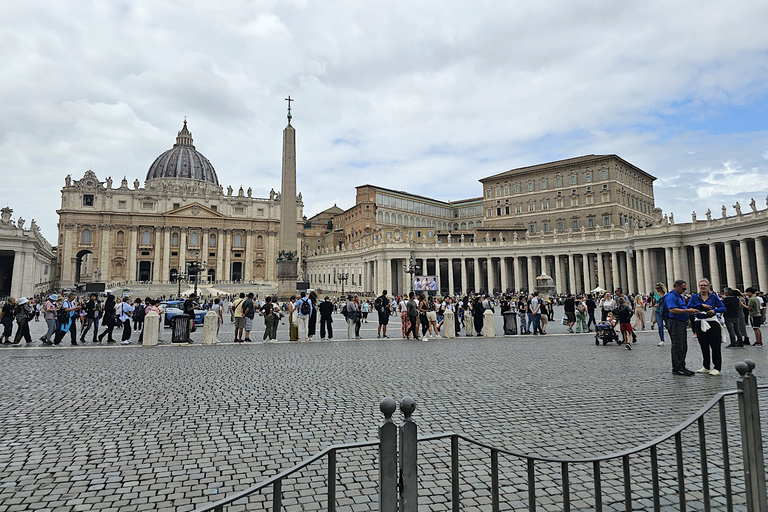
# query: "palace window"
[[588, 177], [532, 227], [175, 240], [238, 240], [530, 186], [488, 212], [518, 208], [194, 239], [590, 222], [121, 205], [506, 190], [606, 219], [146, 238], [176, 206], [558, 181], [573, 179], [545, 204], [212, 241], [147, 205], [543, 184], [86, 236], [590, 199], [604, 174], [239, 210], [216, 208], [575, 201], [575, 223], [545, 226], [488, 193], [498, 212], [531, 206], [606, 197], [517, 188], [498, 191], [506, 210], [559, 202], [88, 200]]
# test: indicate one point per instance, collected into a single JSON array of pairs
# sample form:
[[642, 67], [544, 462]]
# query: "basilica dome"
[[183, 161]]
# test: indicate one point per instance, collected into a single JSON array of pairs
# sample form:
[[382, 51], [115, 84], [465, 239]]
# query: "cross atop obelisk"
[[289, 100]]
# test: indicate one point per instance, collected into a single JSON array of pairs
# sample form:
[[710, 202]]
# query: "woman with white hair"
[[707, 327], [24, 313]]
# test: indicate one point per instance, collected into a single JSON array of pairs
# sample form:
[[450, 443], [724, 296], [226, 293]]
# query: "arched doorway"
[[237, 271], [211, 275], [84, 267], [145, 271]]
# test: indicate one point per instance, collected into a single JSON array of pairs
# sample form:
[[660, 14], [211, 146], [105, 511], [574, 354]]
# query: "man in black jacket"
[[92, 316], [326, 318]]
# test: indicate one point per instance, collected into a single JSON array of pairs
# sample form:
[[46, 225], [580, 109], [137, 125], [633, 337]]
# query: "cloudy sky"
[[420, 96]]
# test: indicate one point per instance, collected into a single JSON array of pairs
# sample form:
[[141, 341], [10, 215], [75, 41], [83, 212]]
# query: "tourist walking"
[[23, 314], [249, 312], [350, 313], [6, 317], [677, 326], [50, 308], [639, 312], [581, 316], [707, 327], [658, 297], [92, 316], [110, 321], [607, 304], [731, 317], [402, 309], [413, 317], [270, 320], [304, 307], [755, 316], [66, 320], [312, 327], [237, 314], [125, 311], [382, 310], [623, 313]]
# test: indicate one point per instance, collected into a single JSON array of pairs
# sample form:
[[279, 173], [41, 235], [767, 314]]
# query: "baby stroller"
[[606, 333]]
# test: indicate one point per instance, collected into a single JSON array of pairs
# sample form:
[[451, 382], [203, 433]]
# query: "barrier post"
[[751, 437]]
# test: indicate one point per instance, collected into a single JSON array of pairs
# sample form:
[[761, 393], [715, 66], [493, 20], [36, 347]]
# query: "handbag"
[[565, 320]]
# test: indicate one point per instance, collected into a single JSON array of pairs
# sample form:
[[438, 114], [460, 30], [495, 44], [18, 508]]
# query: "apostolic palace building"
[[587, 222], [124, 234]]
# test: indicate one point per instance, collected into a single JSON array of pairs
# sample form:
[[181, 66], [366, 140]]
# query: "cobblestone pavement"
[[170, 427]]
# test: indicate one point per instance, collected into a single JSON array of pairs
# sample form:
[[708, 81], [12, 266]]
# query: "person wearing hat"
[[49, 314], [24, 313], [6, 317], [70, 326]]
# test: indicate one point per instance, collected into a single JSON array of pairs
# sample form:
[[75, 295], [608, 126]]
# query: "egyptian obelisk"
[[288, 256]]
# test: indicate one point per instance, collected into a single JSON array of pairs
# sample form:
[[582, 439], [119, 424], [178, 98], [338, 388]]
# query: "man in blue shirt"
[[679, 314]]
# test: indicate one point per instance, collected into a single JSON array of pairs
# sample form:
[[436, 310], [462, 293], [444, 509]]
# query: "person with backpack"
[[139, 312], [110, 320], [66, 321], [312, 327], [24, 314], [658, 302], [92, 316], [249, 312], [270, 320], [623, 314], [6, 317], [304, 306], [382, 309], [237, 314]]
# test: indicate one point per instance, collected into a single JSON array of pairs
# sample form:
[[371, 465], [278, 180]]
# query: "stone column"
[[387, 276], [219, 254], [585, 269], [205, 247], [504, 274], [478, 281], [730, 267], [248, 260], [600, 270], [17, 278], [571, 275], [649, 284], [166, 254], [226, 276], [559, 275], [450, 277], [104, 263], [640, 268], [684, 267], [131, 267], [698, 266], [516, 274], [183, 249], [157, 265], [491, 271], [631, 286], [762, 271], [677, 268], [670, 271], [615, 276], [531, 275], [272, 255], [464, 287], [714, 269], [746, 270]]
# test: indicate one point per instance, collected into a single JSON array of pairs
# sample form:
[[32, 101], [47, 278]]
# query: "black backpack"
[[305, 308], [62, 316], [378, 303], [140, 313]]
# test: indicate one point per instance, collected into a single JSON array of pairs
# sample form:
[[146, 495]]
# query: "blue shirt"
[[675, 300], [713, 300], [299, 304]]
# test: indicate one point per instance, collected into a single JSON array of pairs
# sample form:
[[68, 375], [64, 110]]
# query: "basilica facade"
[[181, 222]]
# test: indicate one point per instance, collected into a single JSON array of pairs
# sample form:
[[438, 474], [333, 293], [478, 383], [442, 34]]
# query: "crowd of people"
[[709, 315]]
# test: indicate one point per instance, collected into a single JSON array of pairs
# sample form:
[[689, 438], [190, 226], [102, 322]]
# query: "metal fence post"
[[388, 458], [751, 437], [409, 478]]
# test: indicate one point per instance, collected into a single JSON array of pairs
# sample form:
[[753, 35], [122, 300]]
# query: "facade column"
[[746, 270], [491, 271], [183, 250], [640, 268], [464, 288], [387, 276], [17, 278], [669, 271], [585, 269], [248, 263], [104, 263], [599, 260], [684, 267], [205, 247], [647, 254], [478, 282], [219, 255], [166, 254], [517, 274], [615, 276], [157, 265], [698, 265], [631, 286], [571, 274], [677, 268], [531, 275], [272, 255], [559, 274], [504, 274], [730, 268], [714, 269], [131, 267], [227, 253], [762, 271]]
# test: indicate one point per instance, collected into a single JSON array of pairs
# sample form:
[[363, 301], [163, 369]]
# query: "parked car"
[[174, 307]]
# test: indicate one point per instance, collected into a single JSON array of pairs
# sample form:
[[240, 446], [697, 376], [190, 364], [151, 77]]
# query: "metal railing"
[[398, 449]]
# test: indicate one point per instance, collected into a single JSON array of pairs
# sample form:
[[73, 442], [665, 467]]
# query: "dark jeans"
[[710, 341], [591, 321], [413, 323], [127, 330], [91, 322], [72, 333], [22, 332], [734, 334], [678, 337], [537, 324], [326, 325]]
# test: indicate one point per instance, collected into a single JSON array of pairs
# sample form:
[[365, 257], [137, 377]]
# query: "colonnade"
[[635, 266]]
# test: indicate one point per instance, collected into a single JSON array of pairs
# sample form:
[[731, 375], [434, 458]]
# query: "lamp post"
[[343, 276], [412, 267], [195, 267], [181, 275]]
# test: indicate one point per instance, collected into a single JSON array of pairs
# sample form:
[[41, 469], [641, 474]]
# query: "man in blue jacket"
[[679, 313]]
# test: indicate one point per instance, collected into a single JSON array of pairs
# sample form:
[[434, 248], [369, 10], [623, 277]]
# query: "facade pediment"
[[195, 210]]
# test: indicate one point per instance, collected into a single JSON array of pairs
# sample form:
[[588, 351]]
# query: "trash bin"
[[510, 322], [180, 328]]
